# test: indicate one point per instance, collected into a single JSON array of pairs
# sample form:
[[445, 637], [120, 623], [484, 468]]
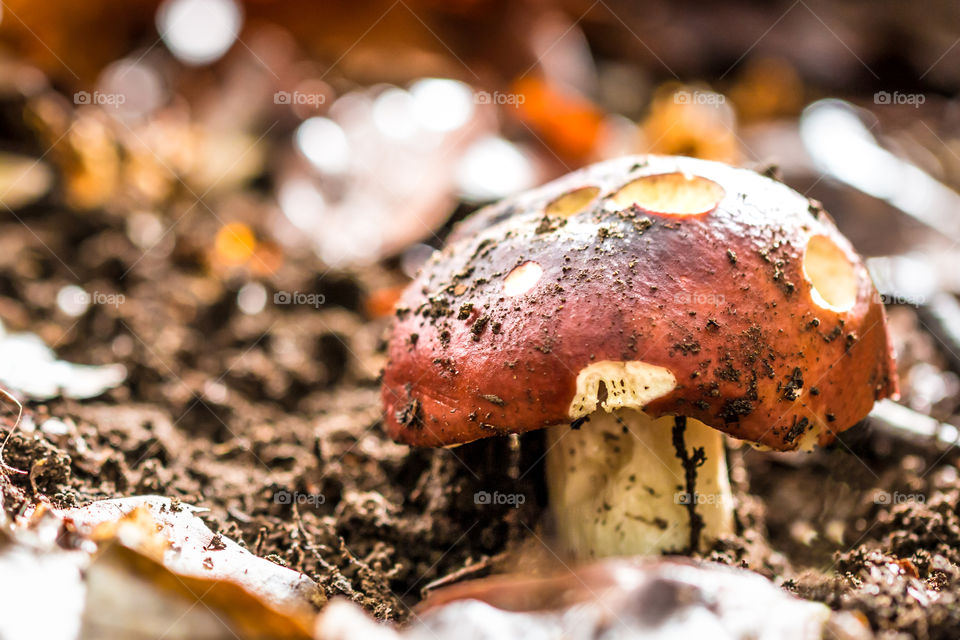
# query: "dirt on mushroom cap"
[[630, 284]]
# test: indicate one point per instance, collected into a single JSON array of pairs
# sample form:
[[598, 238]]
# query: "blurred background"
[[227, 197], [262, 129]]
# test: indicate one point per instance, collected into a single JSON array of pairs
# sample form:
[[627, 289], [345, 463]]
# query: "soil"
[[272, 422]]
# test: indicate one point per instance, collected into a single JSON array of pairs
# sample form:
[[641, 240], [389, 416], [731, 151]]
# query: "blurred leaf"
[[22, 180]]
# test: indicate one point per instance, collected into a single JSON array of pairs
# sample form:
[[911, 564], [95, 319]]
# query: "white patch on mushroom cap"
[[811, 437], [523, 278], [832, 278], [670, 194], [629, 384], [806, 442], [572, 202]]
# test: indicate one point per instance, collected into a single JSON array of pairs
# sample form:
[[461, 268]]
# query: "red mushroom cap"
[[729, 282]]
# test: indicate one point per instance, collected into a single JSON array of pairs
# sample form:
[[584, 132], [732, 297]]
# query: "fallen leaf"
[[22, 180], [29, 366]]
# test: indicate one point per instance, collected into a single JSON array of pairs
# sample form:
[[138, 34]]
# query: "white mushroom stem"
[[618, 484]]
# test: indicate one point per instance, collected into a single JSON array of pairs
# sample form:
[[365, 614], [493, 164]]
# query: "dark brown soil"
[[286, 452]]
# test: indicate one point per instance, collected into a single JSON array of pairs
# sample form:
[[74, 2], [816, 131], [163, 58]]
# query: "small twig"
[[463, 573], [690, 464], [3, 446]]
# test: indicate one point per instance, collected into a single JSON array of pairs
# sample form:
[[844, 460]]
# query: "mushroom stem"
[[624, 483]]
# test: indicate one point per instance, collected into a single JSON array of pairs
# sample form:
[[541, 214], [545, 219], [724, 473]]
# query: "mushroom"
[[638, 309]]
